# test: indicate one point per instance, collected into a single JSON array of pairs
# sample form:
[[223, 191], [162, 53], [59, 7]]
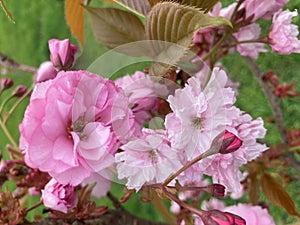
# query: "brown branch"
[[115, 217], [275, 107], [8, 63]]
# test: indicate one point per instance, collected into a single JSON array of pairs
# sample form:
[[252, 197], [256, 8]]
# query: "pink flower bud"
[[216, 190], [226, 143], [6, 83], [45, 72], [59, 197], [62, 53], [216, 217], [19, 91]]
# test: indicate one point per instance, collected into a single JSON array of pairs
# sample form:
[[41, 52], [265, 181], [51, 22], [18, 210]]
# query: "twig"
[[11, 64], [114, 217], [275, 107]]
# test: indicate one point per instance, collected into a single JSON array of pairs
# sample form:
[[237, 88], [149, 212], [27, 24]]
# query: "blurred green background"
[[26, 41]]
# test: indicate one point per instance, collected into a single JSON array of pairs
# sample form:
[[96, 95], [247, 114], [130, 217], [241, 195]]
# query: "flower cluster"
[[79, 126], [245, 36]]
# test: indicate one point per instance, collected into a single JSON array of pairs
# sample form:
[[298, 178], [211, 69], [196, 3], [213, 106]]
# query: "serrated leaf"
[[175, 23], [204, 5], [141, 6], [276, 193], [114, 27], [8, 14], [75, 18]]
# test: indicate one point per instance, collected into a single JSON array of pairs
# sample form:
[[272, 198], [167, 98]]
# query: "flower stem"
[[7, 133], [33, 207], [8, 115], [216, 47], [186, 166], [181, 203]]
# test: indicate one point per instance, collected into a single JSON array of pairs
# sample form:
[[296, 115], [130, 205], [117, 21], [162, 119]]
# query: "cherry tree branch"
[[275, 107], [115, 217]]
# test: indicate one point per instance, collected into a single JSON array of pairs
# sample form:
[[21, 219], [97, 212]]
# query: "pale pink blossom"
[[262, 9], [249, 33], [254, 215], [284, 35], [46, 71], [147, 160], [143, 93], [73, 126], [62, 53], [59, 197], [199, 115]]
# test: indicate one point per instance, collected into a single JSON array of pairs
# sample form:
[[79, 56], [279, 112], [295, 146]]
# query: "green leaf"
[[174, 23], [114, 27], [141, 6], [276, 193]]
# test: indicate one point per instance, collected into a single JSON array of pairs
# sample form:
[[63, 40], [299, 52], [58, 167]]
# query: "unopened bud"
[[62, 53], [216, 217], [6, 83], [216, 190], [45, 72], [225, 143], [19, 91]]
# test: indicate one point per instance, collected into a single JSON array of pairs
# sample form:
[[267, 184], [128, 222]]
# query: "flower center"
[[198, 123], [78, 127], [153, 155]]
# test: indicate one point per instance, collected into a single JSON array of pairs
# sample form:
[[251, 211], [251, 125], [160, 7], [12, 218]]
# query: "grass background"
[[38, 21]]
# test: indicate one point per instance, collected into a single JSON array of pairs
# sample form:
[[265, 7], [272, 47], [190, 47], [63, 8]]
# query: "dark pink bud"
[[62, 53], [216, 190], [19, 91], [45, 72], [226, 143], [216, 217], [6, 83]]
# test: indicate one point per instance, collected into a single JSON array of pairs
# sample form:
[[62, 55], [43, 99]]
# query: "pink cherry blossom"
[[59, 197], [143, 93], [147, 160], [249, 33], [199, 115], [73, 126], [262, 9], [254, 215], [62, 53], [283, 34], [46, 71]]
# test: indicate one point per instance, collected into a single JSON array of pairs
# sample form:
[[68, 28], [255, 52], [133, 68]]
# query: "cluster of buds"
[[7, 83], [280, 90], [62, 55]]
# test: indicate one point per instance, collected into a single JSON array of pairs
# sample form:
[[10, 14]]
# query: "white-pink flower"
[[249, 33], [147, 160], [262, 9], [59, 197], [284, 35], [199, 115], [254, 215], [143, 93], [73, 126]]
